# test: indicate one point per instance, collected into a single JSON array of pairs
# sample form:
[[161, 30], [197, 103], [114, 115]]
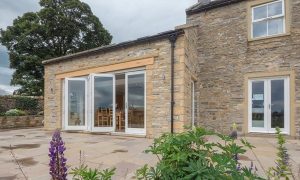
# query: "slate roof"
[[111, 47], [205, 5]]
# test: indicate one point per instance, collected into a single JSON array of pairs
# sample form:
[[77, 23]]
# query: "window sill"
[[268, 37]]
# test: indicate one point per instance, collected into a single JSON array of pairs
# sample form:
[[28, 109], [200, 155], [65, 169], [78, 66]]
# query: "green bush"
[[2, 110], [189, 155], [27, 104], [282, 169], [15, 112], [85, 173]]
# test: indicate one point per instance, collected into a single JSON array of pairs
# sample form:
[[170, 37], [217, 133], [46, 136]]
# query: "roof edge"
[[211, 5], [111, 47]]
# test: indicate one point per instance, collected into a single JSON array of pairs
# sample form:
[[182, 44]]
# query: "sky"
[[124, 19]]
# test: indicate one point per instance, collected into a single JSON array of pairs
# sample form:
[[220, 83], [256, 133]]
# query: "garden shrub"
[[189, 155], [85, 173], [14, 112], [27, 104], [2, 110], [282, 168]]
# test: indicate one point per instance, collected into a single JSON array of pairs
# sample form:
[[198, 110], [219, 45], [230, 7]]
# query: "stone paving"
[[30, 147]]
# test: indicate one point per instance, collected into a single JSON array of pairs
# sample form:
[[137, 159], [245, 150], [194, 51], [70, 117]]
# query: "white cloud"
[[124, 19], [6, 71], [9, 89], [132, 19]]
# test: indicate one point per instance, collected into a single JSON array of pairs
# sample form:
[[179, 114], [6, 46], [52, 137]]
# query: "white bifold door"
[[103, 102], [135, 119], [90, 103], [75, 106], [269, 105]]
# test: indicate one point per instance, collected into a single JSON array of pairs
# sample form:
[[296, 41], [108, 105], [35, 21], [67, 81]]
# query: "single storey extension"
[[234, 61]]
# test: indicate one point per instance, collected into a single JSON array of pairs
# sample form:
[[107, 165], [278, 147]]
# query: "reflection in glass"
[[76, 102], [260, 29], [275, 9], [275, 26], [260, 12], [258, 104], [277, 103], [136, 99], [103, 101]]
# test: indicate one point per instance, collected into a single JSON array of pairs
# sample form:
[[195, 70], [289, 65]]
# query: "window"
[[268, 19]]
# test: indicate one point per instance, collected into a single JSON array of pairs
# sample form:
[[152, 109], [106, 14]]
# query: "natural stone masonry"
[[214, 52], [158, 80], [7, 122], [225, 57]]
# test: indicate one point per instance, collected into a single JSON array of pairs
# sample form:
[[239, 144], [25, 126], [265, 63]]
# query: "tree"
[[61, 27]]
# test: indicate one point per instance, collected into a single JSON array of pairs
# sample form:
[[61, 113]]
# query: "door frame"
[[267, 102], [66, 105], [92, 100], [141, 131]]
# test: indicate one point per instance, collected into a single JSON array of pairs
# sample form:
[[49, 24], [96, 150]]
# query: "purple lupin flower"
[[58, 169]]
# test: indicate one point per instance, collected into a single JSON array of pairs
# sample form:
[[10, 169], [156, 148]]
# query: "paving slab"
[[30, 147]]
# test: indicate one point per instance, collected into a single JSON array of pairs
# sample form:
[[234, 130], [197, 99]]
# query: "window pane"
[[76, 103], [103, 101], [136, 101], [258, 104], [260, 12], [275, 9], [275, 26], [277, 103], [259, 29]]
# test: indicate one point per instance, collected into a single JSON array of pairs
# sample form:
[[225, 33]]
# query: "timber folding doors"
[[269, 105], [103, 102]]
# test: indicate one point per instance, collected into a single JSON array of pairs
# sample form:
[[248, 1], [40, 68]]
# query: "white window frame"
[[267, 101], [137, 131], [92, 102], [269, 18], [66, 105]]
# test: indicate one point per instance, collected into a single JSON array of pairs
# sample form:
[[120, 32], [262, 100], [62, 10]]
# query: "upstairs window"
[[268, 19]]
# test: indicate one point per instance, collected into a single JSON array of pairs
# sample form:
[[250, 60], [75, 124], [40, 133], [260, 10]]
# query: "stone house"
[[234, 61]]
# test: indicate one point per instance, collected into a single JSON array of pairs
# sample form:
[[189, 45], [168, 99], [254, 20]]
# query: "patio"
[[30, 147]]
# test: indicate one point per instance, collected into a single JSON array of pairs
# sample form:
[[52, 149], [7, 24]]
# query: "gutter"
[[172, 39], [210, 5], [112, 47]]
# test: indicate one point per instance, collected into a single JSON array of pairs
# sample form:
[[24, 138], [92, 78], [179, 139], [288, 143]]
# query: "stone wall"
[[7, 122], [10, 102], [157, 79], [226, 57]]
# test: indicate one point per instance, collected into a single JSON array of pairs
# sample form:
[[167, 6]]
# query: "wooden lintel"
[[107, 68]]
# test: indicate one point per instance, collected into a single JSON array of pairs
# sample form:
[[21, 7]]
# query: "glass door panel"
[[277, 103], [135, 103], [269, 106], [258, 104], [103, 103], [75, 103]]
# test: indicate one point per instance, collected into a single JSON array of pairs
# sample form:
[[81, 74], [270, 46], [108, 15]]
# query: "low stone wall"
[[7, 122], [32, 107]]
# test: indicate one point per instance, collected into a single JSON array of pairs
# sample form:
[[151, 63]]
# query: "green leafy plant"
[[15, 112], [282, 168], [189, 155], [27, 104], [83, 172]]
